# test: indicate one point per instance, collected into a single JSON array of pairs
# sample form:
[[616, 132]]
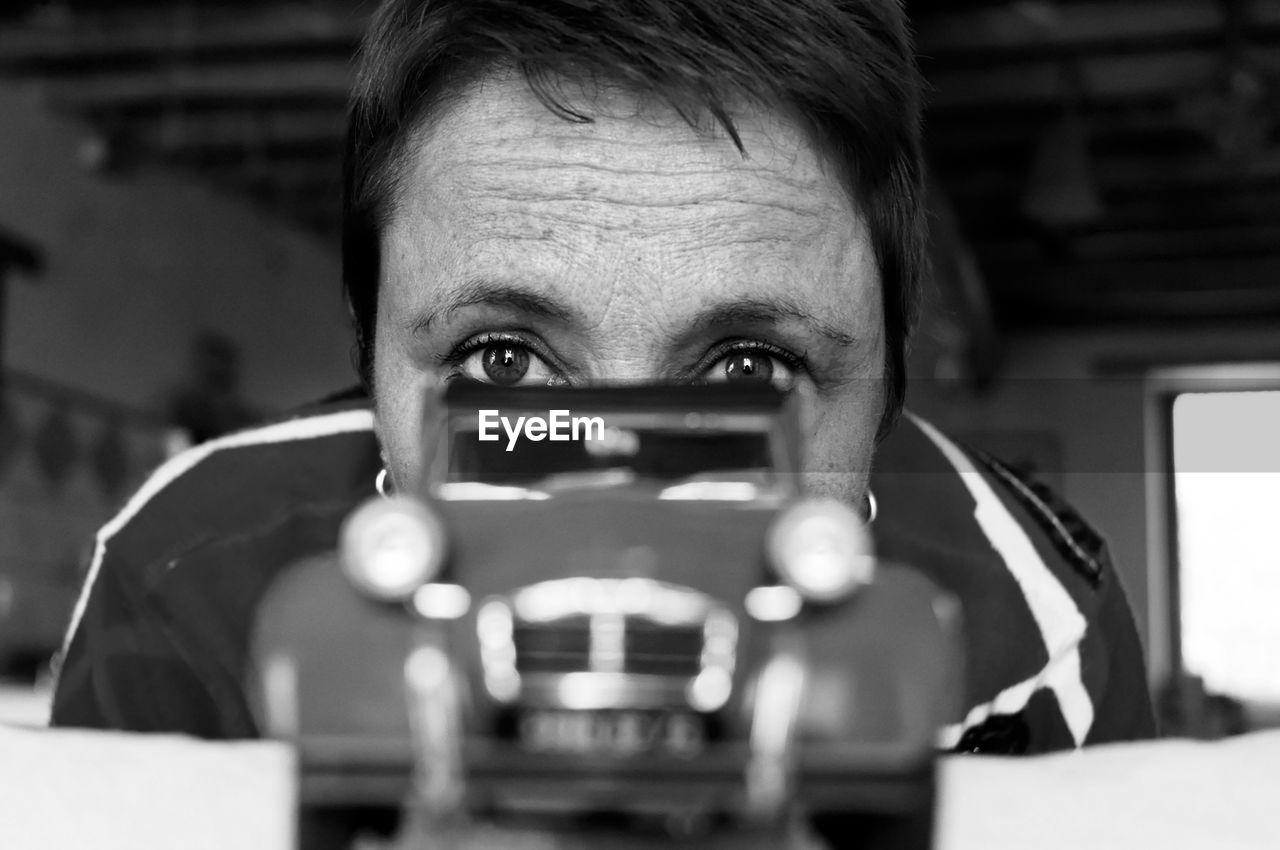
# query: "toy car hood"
[[497, 546]]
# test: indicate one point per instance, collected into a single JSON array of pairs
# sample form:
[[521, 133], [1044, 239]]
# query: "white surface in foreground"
[[1168, 794], [69, 789], [24, 705]]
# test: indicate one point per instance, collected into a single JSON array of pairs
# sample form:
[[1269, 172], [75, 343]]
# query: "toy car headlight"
[[821, 548], [390, 547]]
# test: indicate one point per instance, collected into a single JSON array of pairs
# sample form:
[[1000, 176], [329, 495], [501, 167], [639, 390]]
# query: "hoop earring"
[[872, 507], [380, 484]]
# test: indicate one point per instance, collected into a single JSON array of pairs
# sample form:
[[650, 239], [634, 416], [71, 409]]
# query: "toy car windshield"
[[725, 443]]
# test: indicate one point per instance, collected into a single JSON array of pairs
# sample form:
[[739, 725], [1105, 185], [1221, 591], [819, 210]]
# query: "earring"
[[872, 507], [380, 484]]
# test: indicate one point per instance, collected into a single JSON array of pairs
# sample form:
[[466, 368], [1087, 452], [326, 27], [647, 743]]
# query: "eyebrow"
[[764, 311], [482, 292]]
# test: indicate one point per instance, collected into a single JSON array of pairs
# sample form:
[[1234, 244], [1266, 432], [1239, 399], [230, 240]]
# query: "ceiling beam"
[[178, 133], [291, 175], [1008, 28], [1197, 290], [1102, 78], [1005, 33], [996, 215], [1135, 173], [119, 41], [1260, 239], [308, 80], [956, 132]]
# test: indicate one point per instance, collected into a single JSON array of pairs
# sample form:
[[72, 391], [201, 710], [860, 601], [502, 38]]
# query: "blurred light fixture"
[[1042, 13], [1061, 190], [1237, 111], [1239, 108]]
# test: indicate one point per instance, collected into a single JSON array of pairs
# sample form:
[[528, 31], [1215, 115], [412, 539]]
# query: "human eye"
[[745, 361], [503, 359]]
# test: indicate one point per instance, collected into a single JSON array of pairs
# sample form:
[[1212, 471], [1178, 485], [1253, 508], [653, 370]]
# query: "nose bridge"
[[629, 351], [630, 337]]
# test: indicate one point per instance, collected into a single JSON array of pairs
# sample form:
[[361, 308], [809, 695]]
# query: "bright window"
[[1226, 455]]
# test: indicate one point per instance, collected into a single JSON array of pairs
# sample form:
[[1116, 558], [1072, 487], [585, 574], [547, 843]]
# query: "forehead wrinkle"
[[607, 172], [502, 212], [540, 168], [517, 182], [582, 160], [652, 136], [573, 223]]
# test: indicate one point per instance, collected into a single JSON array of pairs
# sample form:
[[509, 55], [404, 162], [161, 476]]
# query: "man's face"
[[528, 249]]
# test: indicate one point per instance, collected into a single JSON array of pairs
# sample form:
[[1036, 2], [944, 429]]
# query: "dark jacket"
[[159, 638]]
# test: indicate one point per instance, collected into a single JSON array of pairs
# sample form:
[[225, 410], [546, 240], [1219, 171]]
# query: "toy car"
[[622, 605]]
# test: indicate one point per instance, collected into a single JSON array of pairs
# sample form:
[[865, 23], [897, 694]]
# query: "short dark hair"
[[844, 68]]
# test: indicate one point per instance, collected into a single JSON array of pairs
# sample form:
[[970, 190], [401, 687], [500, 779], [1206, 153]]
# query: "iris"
[[506, 364], [747, 366]]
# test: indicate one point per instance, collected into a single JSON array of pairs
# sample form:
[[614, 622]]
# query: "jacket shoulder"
[[219, 485], [231, 484], [1078, 543], [1067, 541]]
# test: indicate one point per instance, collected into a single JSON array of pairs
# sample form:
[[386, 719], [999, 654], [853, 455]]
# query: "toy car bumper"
[[500, 777]]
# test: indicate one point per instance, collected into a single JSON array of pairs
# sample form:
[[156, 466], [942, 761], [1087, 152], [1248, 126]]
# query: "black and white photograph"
[[636, 424]]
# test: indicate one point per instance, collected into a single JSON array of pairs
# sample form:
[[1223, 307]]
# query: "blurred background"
[[1104, 310]]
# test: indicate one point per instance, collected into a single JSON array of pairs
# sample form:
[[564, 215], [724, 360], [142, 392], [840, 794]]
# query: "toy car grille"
[[563, 646], [656, 649], [587, 643]]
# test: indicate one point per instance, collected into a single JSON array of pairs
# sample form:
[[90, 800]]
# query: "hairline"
[[432, 114]]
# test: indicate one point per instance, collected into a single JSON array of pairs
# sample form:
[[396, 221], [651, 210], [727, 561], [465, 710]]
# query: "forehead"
[[496, 179], [497, 124]]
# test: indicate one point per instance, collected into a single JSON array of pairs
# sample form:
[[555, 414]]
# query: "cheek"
[[398, 417], [840, 443]]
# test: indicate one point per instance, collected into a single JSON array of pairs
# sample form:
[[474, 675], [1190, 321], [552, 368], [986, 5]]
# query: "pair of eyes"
[[512, 362]]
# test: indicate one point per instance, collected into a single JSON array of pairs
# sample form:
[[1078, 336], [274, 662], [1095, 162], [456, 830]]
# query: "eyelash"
[[796, 362], [459, 355], [469, 346]]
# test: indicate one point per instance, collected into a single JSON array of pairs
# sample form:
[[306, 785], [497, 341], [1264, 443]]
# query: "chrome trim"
[[608, 649], [773, 603], [435, 722], [779, 692], [712, 491], [589, 691], [667, 604], [478, 491], [280, 695], [495, 628], [441, 601]]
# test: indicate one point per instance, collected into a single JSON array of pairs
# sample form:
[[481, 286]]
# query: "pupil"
[[748, 367], [505, 364]]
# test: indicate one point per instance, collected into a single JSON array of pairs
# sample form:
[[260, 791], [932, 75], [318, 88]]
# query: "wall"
[[136, 266], [67, 462], [1085, 392], [138, 263]]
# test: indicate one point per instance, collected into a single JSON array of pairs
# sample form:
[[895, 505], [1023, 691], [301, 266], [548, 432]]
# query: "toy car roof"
[[739, 398]]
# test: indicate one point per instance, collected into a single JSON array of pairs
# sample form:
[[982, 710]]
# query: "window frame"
[[1164, 568]]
